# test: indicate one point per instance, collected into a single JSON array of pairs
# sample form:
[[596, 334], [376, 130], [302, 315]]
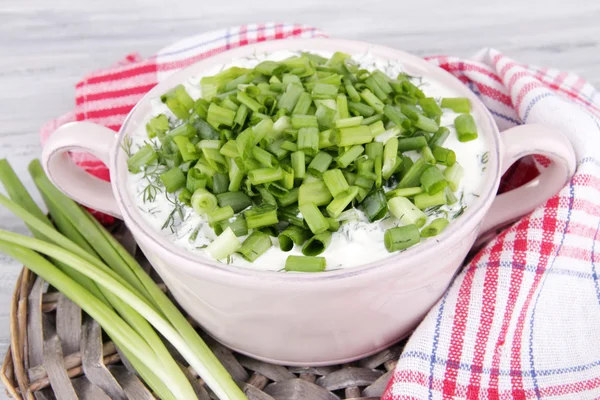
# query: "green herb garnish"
[[297, 143]]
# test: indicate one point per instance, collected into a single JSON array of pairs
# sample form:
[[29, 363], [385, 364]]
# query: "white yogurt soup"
[[356, 242]]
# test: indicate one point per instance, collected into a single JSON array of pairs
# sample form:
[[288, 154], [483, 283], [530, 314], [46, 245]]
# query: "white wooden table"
[[46, 46]]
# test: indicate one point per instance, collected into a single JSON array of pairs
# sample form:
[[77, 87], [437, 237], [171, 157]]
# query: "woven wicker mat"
[[57, 352]]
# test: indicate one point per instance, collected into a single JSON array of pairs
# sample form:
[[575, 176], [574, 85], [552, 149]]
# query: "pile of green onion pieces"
[[287, 148]]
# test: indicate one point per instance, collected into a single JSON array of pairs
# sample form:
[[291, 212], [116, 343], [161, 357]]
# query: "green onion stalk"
[[91, 268]]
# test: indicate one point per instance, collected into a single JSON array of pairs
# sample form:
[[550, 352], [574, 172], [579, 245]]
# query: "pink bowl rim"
[[203, 267]]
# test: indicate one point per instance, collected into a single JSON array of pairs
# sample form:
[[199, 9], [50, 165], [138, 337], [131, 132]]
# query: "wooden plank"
[[133, 387], [68, 324], [92, 361], [57, 374], [377, 388], [349, 377], [86, 390], [71, 361], [273, 372], [231, 364], [35, 338], [298, 389]]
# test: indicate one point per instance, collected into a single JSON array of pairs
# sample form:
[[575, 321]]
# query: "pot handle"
[[79, 185], [519, 142]]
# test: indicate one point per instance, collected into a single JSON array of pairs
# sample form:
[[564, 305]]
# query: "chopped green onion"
[[305, 264], [360, 109], [298, 164], [412, 177], [348, 122], [424, 200], [346, 158], [466, 129], [450, 196], [325, 116], [230, 149], [195, 180], [269, 68], [427, 155], [401, 238], [444, 156], [324, 91], [240, 116], [303, 104], [237, 200], [320, 163], [304, 121], [293, 235], [372, 100], [220, 183], [259, 216], [174, 179], [325, 139], [351, 91], [308, 141], [289, 99], [403, 209], [454, 175], [144, 156], [263, 129], [157, 126], [390, 154], [335, 181], [313, 218], [244, 142], [289, 198], [220, 214], [430, 107], [289, 146], [238, 226], [218, 116], [404, 192], [317, 244], [267, 196], [314, 192], [435, 227], [375, 205], [396, 116], [255, 246], [203, 201], [364, 182], [224, 245], [341, 201], [439, 137], [178, 101], [382, 81], [427, 124], [265, 175], [377, 128], [334, 225], [342, 106], [411, 143], [264, 157], [457, 104], [249, 102], [353, 135]]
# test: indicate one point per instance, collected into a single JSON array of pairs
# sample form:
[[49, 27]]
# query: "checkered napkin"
[[522, 319]]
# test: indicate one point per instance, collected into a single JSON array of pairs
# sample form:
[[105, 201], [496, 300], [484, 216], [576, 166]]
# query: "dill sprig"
[[177, 211], [127, 144], [154, 186]]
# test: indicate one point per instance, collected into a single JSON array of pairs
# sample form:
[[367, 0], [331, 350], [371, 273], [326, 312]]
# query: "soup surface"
[[357, 242]]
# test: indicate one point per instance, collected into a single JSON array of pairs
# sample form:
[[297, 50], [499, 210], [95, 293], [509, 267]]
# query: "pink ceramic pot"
[[322, 318]]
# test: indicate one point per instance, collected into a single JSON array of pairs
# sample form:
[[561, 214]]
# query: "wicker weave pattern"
[[57, 352]]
